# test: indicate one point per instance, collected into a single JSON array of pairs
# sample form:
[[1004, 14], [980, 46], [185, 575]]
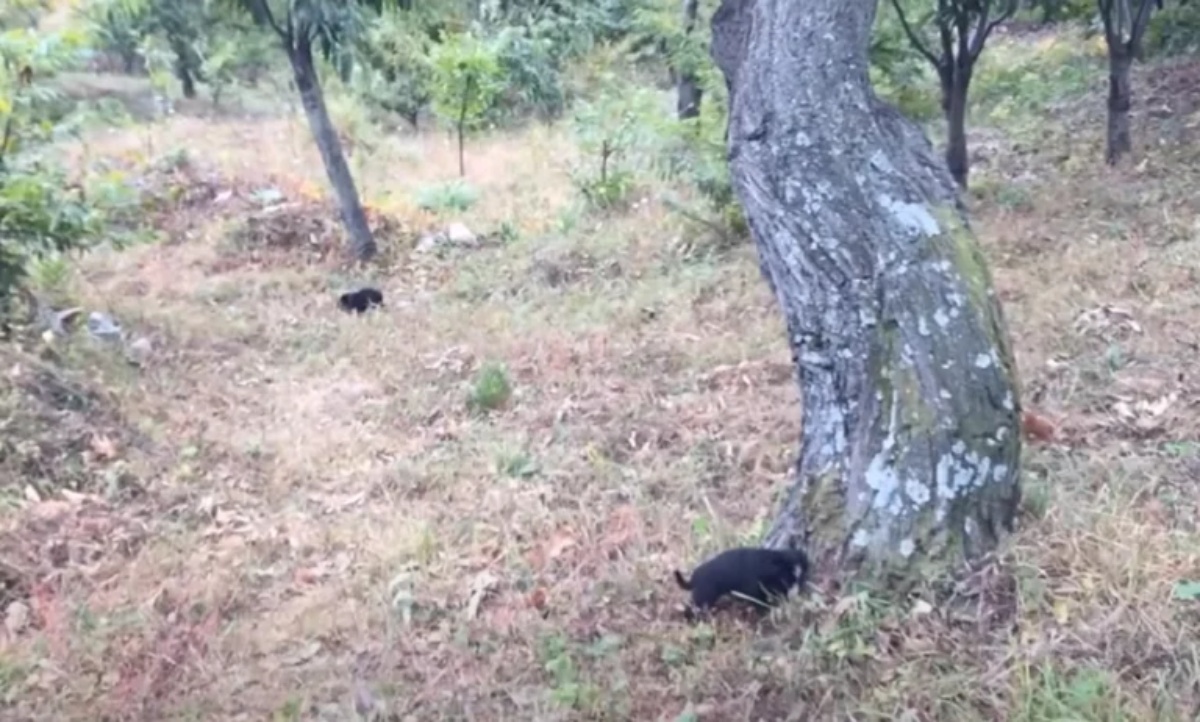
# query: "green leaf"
[[1187, 591]]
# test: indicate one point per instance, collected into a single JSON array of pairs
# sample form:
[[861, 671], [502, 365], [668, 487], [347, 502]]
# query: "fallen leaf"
[[303, 655], [308, 575], [483, 583], [921, 608], [559, 543], [1062, 612], [1037, 428], [16, 618], [103, 447], [537, 599]]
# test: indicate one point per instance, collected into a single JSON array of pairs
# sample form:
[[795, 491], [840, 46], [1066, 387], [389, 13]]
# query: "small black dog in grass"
[[362, 299], [758, 574]]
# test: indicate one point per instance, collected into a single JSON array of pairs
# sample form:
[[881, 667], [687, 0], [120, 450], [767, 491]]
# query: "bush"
[[396, 73], [42, 214], [1174, 31], [491, 389], [454, 196], [608, 128], [531, 74]]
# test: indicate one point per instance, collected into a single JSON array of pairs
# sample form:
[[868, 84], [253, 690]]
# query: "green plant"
[[467, 81], [491, 388], [532, 76], [456, 195], [396, 73], [42, 214], [607, 129], [518, 465], [1175, 30]]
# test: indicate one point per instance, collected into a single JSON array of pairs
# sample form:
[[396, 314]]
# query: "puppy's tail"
[[683, 583]]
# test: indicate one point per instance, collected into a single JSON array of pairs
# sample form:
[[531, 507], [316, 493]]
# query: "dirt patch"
[[57, 431], [299, 233]]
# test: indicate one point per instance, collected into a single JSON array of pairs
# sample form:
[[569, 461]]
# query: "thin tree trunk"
[[313, 100], [688, 91], [186, 81], [911, 441], [957, 160], [1120, 101]]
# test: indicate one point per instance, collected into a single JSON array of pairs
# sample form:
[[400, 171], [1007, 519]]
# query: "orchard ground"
[[287, 511]]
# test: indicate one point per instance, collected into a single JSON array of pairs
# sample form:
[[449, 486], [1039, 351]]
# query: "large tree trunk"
[[956, 128], [911, 442], [1120, 101], [313, 100], [687, 86]]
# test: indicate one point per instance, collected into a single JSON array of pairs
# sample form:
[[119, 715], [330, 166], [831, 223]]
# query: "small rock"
[[103, 327], [139, 350], [459, 235], [430, 242], [16, 618]]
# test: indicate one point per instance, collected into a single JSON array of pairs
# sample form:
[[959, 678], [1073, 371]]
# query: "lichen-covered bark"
[[910, 432]]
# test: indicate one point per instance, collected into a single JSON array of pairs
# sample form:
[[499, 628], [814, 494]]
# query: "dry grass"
[[325, 521]]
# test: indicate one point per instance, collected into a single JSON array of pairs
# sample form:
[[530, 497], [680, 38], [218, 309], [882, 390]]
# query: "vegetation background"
[[467, 505]]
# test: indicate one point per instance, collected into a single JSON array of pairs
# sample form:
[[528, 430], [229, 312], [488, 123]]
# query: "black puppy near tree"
[[758, 575], [362, 299]]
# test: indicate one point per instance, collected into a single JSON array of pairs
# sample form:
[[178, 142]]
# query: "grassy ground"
[[287, 512]]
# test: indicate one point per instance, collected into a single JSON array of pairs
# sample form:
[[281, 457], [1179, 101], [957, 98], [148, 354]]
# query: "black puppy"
[[756, 573], [362, 299]]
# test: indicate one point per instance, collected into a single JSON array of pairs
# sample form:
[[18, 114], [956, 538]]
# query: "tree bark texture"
[[312, 98], [910, 442], [1120, 101], [689, 94]]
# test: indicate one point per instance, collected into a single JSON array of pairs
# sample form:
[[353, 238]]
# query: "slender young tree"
[[301, 26], [962, 28], [1125, 23]]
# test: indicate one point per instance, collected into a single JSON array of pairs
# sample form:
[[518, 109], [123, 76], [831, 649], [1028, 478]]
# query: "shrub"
[[454, 196], [607, 129], [491, 389]]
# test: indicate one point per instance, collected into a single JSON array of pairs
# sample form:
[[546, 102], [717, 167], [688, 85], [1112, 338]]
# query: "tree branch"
[[986, 28], [1140, 22], [944, 32], [1110, 33], [912, 36], [265, 9]]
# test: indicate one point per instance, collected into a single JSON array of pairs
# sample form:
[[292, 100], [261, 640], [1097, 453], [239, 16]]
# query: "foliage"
[[532, 74], [452, 196], [658, 34], [1052, 11], [466, 84], [1175, 30], [395, 72], [491, 388], [41, 213], [466, 80], [571, 29], [899, 74], [22, 13], [607, 129], [1025, 85], [116, 29]]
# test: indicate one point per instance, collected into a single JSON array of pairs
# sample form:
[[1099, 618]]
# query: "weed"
[[455, 196], [491, 389]]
